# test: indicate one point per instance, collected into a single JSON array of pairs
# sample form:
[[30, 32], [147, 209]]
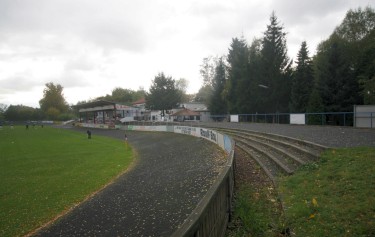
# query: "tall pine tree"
[[237, 75], [302, 81], [217, 104], [276, 68], [250, 97]]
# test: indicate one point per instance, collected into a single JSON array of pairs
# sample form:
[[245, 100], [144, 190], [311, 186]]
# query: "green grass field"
[[333, 197], [46, 171]]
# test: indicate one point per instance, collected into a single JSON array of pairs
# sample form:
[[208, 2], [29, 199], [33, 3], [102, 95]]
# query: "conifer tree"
[[237, 74], [217, 104], [276, 68], [302, 81]]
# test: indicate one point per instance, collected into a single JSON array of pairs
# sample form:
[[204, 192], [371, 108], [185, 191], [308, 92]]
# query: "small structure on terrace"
[[191, 111], [185, 115], [106, 112]]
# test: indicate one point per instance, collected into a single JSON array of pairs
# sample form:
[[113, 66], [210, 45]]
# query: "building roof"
[[140, 101], [95, 104], [186, 112], [195, 106]]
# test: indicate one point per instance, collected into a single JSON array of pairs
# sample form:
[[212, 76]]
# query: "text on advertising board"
[[208, 134]]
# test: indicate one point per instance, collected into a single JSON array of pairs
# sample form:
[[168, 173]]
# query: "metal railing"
[[327, 118], [210, 218]]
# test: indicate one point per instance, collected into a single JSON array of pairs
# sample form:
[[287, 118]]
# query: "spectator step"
[[277, 155]]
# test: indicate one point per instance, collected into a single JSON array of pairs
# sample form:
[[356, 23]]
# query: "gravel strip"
[[172, 174], [330, 136]]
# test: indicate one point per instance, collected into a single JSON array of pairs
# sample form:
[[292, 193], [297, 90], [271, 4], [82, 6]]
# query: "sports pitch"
[[44, 172]]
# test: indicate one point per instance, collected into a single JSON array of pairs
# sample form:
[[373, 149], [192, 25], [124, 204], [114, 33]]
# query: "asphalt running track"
[[172, 174]]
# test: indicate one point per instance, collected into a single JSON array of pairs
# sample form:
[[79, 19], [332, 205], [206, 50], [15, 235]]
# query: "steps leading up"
[[277, 155]]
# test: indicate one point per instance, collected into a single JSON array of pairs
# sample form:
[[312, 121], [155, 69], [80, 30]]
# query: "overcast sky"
[[90, 46]]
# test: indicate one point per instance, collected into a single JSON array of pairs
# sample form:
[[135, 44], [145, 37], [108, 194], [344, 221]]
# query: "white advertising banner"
[[364, 116], [297, 119], [148, 128], [93, 125], [208, 134], [234, 118], [193, 131]]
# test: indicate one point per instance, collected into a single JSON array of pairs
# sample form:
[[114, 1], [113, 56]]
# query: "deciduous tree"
[[3, 108], [204, 94], [22, 113], [357, 24], [207, 70], [53, 97], [335, 75], [122, 95], [163, 94]]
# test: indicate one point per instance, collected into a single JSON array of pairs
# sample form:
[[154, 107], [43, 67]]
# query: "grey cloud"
[[18, 82], [226, 20], [72, 79], [80, 63], [297, 12], [110, 24]]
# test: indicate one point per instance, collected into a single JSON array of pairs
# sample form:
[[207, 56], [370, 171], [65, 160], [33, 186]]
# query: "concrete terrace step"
[[281, 151], [283, 161], [308, 149], [270, 168], [277, 155]]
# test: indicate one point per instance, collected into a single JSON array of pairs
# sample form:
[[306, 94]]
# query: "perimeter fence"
[[357, 119]]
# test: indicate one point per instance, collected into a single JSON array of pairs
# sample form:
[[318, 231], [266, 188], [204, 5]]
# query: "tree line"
[[261, 78], [255, 78]]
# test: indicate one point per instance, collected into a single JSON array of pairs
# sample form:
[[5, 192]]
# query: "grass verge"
[[257, 213], [333, 197], [257, 208], [46, 171]]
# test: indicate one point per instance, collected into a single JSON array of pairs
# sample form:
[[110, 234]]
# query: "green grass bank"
[[46, 171], [332, 197]]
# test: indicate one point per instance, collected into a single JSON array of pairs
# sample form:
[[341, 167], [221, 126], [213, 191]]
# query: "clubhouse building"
[[110, 113]]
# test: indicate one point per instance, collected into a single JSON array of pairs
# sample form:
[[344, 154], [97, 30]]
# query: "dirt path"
[[172, 174]]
